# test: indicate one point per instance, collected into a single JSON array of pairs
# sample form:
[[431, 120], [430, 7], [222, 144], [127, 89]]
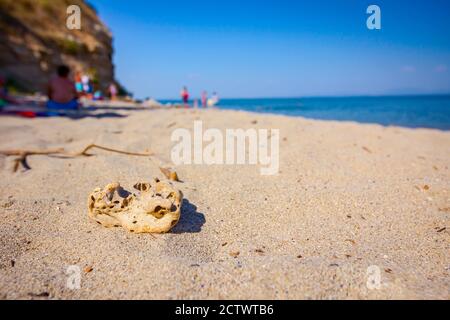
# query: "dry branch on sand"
[[23, 154]]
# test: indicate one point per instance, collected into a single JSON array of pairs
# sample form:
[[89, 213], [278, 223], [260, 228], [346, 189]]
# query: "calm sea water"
[[407, 111]]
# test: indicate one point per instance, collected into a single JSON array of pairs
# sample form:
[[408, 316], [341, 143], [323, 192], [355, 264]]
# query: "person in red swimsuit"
[[185, 96]]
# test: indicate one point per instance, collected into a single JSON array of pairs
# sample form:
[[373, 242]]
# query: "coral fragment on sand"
[[156, 207]]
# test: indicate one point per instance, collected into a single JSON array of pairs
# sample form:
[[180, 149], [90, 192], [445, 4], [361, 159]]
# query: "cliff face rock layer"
[[34, 40]]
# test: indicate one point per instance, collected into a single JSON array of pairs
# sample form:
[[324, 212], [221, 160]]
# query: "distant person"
[[112, 91], [5, 98], [86, 82], [204, 99], [213, 100], [61, 91], [185, 96], [78, 84], [98, 94]]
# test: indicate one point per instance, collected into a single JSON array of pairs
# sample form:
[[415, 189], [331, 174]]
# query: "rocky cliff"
[[34, 40]]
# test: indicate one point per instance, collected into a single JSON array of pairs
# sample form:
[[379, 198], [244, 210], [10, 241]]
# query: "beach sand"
[[348, 196]]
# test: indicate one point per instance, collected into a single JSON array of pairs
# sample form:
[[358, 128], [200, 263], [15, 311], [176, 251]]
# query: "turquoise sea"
[[406, 111]]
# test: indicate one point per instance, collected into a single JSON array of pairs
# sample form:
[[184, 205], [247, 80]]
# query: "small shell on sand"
[[155, 209], [171, 175]]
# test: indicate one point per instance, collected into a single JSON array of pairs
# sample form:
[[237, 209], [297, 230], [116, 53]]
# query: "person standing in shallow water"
[[185, 96], [204, 99]]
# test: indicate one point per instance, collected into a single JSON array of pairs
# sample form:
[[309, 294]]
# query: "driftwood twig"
[[23, 154], [92, 146]]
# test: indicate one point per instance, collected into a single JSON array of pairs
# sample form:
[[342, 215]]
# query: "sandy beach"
[[348, 196]]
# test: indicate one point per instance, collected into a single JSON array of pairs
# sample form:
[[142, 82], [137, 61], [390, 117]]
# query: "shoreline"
[[131, 107], [384, 114], [348, 196]]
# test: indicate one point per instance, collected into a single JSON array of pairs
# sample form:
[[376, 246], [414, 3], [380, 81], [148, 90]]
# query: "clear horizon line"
[[318, 96]]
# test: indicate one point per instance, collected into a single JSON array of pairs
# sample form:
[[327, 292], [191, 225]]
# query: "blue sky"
[[279, 48]]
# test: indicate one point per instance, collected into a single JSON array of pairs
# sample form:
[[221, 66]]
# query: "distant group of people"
[[63, 93], [205, 101], [85, 87]]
